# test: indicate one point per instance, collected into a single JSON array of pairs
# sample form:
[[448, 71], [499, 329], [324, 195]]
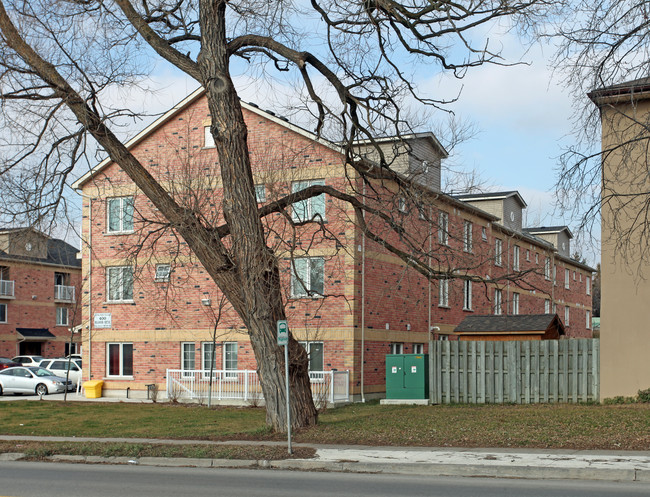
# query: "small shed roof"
[[532, 323]]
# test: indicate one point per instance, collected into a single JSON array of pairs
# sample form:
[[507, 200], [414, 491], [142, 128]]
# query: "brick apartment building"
[[39, 283], [149, 306]]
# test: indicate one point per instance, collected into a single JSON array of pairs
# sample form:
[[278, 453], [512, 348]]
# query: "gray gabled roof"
[[469, 197], [521, 322], [549, 229], [59, 252]]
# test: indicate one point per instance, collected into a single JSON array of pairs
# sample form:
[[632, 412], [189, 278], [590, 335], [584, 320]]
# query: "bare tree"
[[60, 59]]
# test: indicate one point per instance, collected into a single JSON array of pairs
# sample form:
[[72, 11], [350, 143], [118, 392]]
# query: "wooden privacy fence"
[[519, 372]]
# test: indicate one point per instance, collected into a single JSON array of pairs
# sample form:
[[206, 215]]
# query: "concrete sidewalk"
[[424, 461]]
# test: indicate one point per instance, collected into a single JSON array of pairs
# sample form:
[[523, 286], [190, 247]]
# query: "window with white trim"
[[443, 292], [422, 212], [554, 275], [3, 313], [588, 285], [498, 251], [588, 320], [554, 308], [396, 348], [484, 233], [574, 275], [307, 277], [515, 258], [547, 306], [119, 282], [188, 357], [566, 315], [418, 348], [260, 193], [528, 255], [567, 274], [208, 358], [119, 359], [467, 236], [467, 295], [443, 228], [515, 304], [547, 268], [208, 139], [230, 358], [120, 214], [315, 352], [401, 205], [162, 272], [62, 316], [498, 299], [536, 258], [311, 208]]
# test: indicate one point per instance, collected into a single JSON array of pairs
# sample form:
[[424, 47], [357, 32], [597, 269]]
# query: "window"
[[230, 358], [443, 228], [396, 348], [71, 348], [418, 348], [443, 293], [515, 258], [119, 359], [467, 295], [120, 215], [120, 283], [554, 275], [188, 358], [588, 320], [484, 233], [401, 205], [162, 272], [3, 313], [315, 353], [536, 258], [574, 275], [209, 358], [528, 255], [260, 193], [498, 251], [422, 213], [566, 315], [467, 236], [515, 304], [443, 338], [62, 316], [208, 139], [547, 268], [498, 296], [311, 208], [307, 277], [566, 278], [588, 285], [554, 308], [547, 306]]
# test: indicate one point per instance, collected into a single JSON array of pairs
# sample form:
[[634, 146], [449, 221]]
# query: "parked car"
[[40, 381], [60, 368], [7, 363], [28, 360]]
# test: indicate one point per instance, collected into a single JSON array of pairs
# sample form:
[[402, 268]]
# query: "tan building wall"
[[625, 313]]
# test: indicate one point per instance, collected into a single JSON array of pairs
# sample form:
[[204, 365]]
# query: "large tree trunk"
[[258, 284]]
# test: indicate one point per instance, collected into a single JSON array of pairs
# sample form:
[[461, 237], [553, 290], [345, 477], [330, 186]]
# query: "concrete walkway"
[[503, 463]]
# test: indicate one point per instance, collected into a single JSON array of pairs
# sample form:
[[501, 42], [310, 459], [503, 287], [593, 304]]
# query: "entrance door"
[[30, 348]]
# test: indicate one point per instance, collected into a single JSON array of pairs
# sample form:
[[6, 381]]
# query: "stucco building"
[[149, 306]]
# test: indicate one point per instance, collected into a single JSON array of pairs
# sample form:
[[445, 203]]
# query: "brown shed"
[[520, 327]]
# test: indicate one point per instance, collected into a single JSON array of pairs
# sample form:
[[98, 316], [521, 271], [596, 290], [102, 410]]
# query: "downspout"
[[363, 299], [90, 286], [429, 289]]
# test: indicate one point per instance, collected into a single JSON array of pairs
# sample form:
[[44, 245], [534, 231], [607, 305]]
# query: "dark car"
[[7, 363]]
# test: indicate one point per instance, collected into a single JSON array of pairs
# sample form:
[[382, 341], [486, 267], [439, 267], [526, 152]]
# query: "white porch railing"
[[6, 288], [64, 292], [244, 385]]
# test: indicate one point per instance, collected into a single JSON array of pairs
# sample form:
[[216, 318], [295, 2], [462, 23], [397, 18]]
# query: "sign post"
[[283, 339]]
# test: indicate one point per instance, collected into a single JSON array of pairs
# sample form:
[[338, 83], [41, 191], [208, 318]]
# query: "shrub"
[[644, 396]]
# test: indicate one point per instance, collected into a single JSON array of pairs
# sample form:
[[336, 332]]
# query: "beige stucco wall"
[[625, 304]]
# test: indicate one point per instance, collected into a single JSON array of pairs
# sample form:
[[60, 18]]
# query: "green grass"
[[625, 427]]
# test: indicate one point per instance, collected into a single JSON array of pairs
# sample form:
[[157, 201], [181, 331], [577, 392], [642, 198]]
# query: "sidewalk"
[[502, 463]]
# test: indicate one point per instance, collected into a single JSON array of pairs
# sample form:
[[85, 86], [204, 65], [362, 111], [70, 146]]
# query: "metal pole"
[[286, 374]]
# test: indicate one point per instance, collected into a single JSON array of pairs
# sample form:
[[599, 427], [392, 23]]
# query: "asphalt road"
[[25, 479]]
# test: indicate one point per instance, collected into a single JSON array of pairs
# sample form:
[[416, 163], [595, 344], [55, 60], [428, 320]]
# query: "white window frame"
[[484, 233], [120, 281], [528, 255], [418, 348], [515, 258], [163, 271], [123, 215], [547, 268], [498, 252], [4, 308], [567, 276], [208, 139], [422, 214], [397, 348], [307, 345], [205, 361], [468, 243], [229, 349], [443, 228], [301, 284], [260, 193], [536, 257], [554, 275], [62, 316], [443, 292], [498, 299], [547, 306], [554, 308], [402, 205], [184, 365], [467, 295], [515, 303], [311, 212], [588, 285], [588, 319], [121, 346], [567, 314]]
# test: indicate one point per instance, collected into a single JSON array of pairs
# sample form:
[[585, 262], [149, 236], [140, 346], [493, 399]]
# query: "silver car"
[[31, 380], [60, 368]]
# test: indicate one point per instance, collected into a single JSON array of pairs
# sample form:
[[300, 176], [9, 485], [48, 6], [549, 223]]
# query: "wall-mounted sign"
[[102, 320]]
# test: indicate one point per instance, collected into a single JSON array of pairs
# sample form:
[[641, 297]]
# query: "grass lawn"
[[611, 427]]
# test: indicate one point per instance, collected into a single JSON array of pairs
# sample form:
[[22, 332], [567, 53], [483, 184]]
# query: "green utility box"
[[407, 376]]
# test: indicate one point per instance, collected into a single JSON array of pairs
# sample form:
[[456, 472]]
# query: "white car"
[[31, 380], [60, 368], [28, 360]]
